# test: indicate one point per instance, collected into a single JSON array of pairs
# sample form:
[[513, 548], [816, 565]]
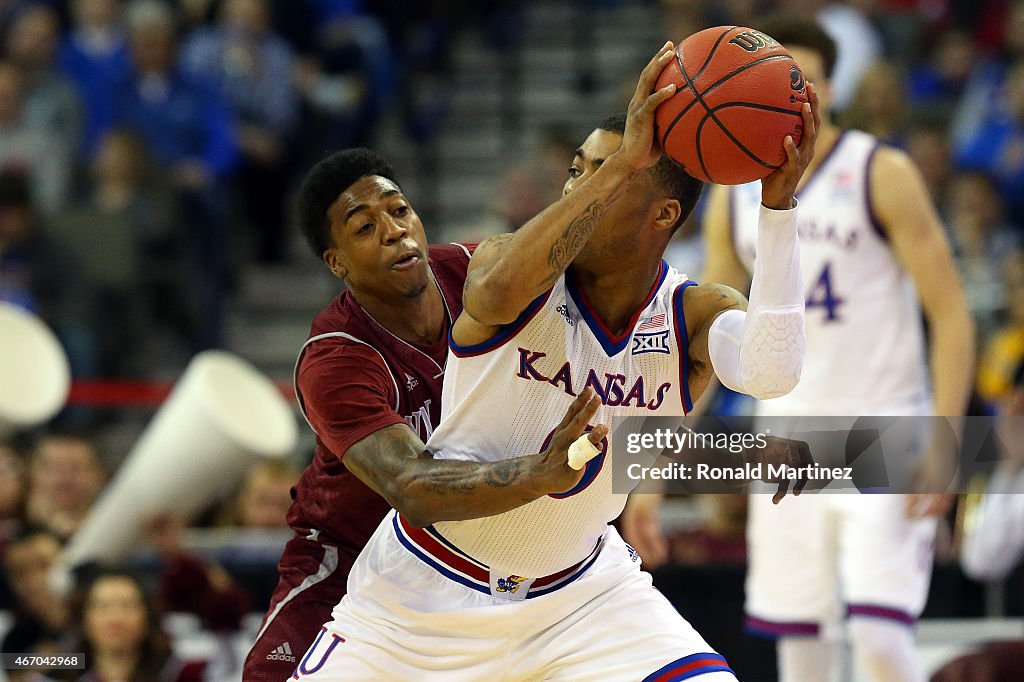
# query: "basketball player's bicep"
[[380, 459], [702, 305], [485, 292]]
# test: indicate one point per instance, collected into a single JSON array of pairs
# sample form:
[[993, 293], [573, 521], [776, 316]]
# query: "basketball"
[[738, 94]]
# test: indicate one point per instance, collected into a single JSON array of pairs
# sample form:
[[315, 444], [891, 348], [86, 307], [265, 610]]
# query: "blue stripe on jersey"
[[682, 343], [612, 344], [436, 565], [506, 332]]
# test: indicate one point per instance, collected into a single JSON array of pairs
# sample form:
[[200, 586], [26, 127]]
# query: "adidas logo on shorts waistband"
[[282, 653]]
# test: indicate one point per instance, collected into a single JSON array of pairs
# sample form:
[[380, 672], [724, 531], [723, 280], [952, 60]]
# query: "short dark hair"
[[327, 179], [794, 31], [669, 175]]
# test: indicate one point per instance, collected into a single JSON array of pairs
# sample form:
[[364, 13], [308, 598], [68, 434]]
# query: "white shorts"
[[817, 559], [419, 610]]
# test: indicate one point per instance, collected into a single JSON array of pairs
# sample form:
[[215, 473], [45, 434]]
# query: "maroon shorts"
[[313, 579]]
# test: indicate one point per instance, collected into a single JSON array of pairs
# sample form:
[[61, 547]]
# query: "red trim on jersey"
[[619, 338], [439, 551]]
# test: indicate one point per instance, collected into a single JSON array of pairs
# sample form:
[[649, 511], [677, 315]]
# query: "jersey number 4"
[[822, 295]]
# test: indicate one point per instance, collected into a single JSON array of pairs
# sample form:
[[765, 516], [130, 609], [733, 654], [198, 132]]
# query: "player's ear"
[[333, 260], [669, 212]]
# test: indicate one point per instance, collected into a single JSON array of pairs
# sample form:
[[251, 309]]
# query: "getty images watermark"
[[674, 446], [864, 454]]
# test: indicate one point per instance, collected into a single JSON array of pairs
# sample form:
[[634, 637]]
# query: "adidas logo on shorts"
[[282, 653]]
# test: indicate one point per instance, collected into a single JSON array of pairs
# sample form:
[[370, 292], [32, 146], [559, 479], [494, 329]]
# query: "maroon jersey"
[[353, 378]]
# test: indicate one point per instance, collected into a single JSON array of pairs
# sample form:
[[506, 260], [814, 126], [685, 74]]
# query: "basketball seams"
[[713, 86], [711, 52], [747, 105], [724, 87]]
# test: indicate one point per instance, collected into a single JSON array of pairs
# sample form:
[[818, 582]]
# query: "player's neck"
[[828, 135], [415, 319], [616, 294]]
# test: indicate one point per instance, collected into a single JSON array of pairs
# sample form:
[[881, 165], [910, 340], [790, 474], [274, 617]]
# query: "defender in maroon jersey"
[[375, 358]]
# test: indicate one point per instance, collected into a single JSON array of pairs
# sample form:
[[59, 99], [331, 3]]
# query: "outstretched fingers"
[[581, 402], [649, 76]]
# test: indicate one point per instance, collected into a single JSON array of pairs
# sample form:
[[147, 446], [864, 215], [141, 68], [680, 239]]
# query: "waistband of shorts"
[[433, 549]]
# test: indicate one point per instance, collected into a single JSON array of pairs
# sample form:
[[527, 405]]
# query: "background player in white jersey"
[[543, 588], [873, 253]]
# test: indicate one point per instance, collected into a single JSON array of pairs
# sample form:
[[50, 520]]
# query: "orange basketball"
[[738, 94]]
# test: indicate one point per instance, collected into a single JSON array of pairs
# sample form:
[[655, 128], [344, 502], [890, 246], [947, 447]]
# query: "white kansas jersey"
[[865, 342], [503, 398]]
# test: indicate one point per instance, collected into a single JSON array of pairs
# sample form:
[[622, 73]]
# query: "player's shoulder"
[[455, 252], [450, 261], [342, 354], [337, 316]]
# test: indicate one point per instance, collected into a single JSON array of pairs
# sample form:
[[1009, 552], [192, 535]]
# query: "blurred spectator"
[[121, 635], [65, 477], [95, 56], [189, 584], [254, 68], [984, 93], [188, 128], [264, 498], [1005, 352], [347, 70], [129, 251], [187, 125], [879, 105], [51, 102], [29, 148], [997, 146], [41, 615], [981, 239], [36, 273], [929, 148], [937, 83]]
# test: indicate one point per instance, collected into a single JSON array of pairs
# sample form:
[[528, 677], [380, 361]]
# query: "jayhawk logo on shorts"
[[509, 584]]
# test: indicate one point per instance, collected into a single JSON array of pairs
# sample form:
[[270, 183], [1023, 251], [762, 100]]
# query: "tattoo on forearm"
[[443, 482], [565, 248], [505, 473]]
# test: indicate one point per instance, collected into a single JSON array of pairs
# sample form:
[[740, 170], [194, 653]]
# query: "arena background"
[[145, 230]]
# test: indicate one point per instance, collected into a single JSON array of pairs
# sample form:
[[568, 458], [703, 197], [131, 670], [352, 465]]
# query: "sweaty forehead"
[[366, 189], [600, 145]]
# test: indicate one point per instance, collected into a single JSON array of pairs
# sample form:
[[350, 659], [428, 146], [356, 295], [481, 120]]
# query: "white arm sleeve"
[[761, 351]]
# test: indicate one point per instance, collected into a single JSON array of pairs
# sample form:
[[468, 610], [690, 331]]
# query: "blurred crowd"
[[47, 487], [149, 149]]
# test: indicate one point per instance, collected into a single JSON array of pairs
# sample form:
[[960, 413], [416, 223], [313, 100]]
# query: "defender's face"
[[380, 244]]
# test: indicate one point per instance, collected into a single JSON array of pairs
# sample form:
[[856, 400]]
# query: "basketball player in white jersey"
[[873, 254], [579, 308]]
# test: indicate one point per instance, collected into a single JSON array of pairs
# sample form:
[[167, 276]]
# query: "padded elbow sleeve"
[[761, 352]]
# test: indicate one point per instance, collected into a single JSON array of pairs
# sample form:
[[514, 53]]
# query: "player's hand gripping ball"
[[738, 95]]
